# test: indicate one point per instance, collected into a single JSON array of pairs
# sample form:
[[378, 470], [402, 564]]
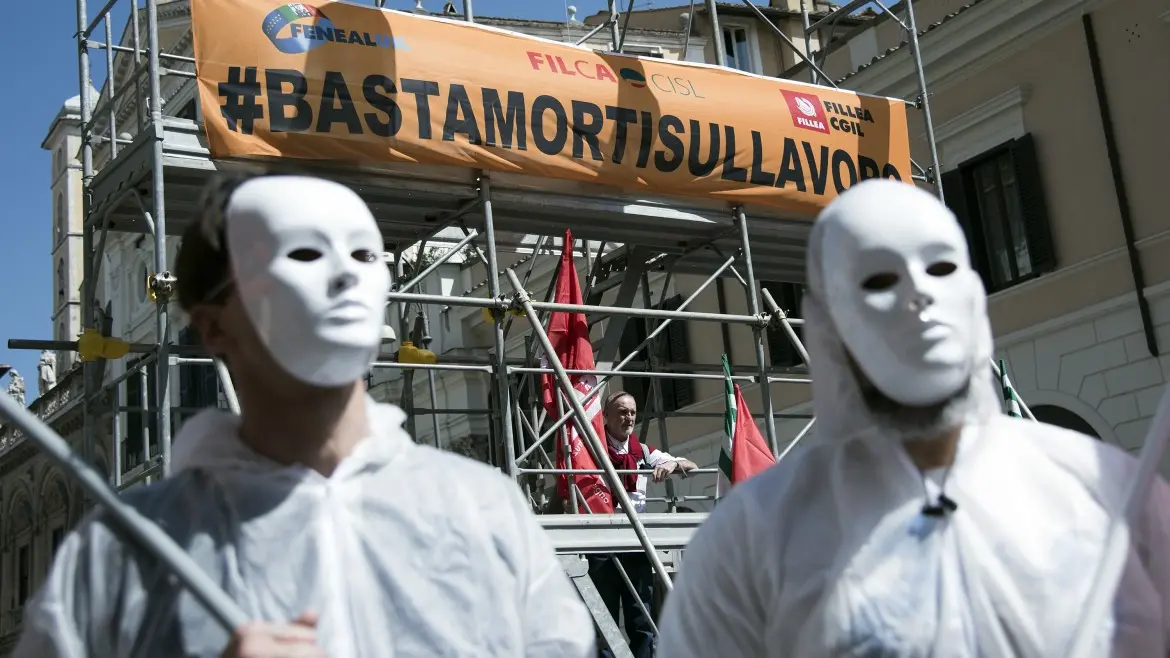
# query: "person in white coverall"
[[313, 510], [916, 519]]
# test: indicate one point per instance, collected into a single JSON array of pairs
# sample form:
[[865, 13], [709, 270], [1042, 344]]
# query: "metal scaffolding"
[[150, 182]]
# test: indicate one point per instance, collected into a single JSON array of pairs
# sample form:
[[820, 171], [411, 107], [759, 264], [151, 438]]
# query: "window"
[[198, 384], [24, 574], [998, 197], [59, 217], [673, 347], [60, 282], [737, 48], [781, 352]]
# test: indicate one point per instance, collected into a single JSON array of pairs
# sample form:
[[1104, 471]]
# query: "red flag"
[[750, 453], [569, 335]]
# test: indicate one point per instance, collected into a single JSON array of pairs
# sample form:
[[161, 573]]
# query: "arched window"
[[1062, 417], [60, 282], [59, 216]]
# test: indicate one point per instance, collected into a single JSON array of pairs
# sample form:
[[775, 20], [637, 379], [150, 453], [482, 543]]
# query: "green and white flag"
[[1011, 399], [744, 452]]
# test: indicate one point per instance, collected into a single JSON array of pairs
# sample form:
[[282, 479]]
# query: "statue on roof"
[[46, 372], [16, 386]]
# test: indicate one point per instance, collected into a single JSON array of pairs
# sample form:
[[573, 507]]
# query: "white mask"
[[896, 279], [306, 256]]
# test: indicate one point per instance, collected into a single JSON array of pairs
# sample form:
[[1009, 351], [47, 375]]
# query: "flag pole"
[[586, 428]]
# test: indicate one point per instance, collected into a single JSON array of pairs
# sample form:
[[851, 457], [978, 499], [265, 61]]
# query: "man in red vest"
[[627, 454]]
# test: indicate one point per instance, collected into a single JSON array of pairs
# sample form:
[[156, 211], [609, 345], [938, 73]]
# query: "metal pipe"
[[717, 33], [493, 268], [621, 44], [778, 312], [116, 439], [590, 34], [137, 74], [88, 292], [615, 33], [135, 527], [619, 471], [914, 50], [229, 389], [634, 373], [687, 30], [807, 39], [467, 13], [112, 120], [503, 304], [88, 31], [162, 314], [594, 442], [784, 37], [792, 444], [438, 262], [1136, 270], [757, 331], [634, 352]]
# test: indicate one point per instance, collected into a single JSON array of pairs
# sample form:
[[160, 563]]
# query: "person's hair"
[[202, 267], [614, 397]]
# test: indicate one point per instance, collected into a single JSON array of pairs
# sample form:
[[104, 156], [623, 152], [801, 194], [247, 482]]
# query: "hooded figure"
[[314, 504], [917, 519]]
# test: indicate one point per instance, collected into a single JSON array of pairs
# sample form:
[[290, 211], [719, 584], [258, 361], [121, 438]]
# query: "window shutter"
[[955, 190], [1033, 204]]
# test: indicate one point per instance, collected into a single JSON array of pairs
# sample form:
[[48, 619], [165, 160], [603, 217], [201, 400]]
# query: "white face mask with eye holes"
[[900, 289], [306, 256]]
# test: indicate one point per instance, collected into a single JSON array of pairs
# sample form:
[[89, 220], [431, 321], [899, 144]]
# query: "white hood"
[[841, 412]]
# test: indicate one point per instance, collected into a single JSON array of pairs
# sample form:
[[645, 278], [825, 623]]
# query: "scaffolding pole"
[[587, 431]]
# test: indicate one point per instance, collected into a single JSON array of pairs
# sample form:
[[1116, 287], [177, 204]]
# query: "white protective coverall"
[[828, 552], [405, 552]]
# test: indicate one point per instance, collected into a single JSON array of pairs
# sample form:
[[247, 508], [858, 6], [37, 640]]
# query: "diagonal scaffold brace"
[[589, 434], [134, 528]]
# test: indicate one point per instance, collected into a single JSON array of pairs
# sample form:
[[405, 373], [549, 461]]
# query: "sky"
[[26, 293]]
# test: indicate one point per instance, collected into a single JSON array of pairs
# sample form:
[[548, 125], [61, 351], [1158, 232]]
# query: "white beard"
[[914, 423]]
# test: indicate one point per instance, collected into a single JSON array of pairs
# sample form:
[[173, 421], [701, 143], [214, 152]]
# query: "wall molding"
[[1030, 287], [983, 36], [1087, 314], [983, 127]]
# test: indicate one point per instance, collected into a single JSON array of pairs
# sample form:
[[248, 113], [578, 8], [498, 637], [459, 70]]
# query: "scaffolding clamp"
[[160, 287], [93, 346], [408, 353]]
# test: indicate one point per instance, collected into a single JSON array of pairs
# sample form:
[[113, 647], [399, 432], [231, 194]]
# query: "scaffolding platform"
[[412, 201], [579, 534]]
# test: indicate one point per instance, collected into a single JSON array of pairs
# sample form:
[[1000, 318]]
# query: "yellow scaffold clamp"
[[92, 346], [408, 353], [489, 313]]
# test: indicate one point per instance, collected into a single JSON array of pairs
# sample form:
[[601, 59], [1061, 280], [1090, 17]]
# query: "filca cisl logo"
[[297, 28]]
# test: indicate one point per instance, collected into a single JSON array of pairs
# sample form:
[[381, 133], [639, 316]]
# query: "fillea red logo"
[[807, 112]]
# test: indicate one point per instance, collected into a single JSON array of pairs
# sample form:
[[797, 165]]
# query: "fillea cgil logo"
[[297, 28]]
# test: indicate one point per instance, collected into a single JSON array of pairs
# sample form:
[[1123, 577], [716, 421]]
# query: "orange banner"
[[351, 84]]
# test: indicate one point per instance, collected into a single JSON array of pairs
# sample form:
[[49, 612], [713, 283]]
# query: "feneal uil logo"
[[298, 28]]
